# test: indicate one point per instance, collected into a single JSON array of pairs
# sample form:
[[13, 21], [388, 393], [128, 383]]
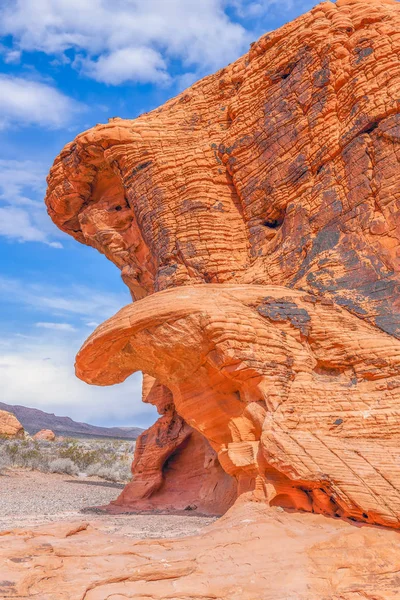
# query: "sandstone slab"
[[253, 552]]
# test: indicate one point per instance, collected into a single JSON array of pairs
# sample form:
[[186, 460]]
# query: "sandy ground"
[[29, 498]]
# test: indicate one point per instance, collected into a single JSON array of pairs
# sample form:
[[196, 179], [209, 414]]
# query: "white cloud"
[[37, 358], [92, 324], [39, 373], [16, 175], [186, 80], [12, 57], [21, 218], [34, 103], [15, 223], [56, 326], [75, 300], [127, 40], [128, 64]]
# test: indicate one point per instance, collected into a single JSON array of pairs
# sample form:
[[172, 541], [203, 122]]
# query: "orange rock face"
[[253, 552], [255, 219], [45, 434], [174, 466], [278, 171], [10, 427], [298, 397]]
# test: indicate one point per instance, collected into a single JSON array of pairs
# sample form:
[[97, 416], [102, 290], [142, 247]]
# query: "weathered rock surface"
[[10, 427], [291, 155], [280, 169], [45, 434], [276, 181], [299, 398], [252, 553], [174, 467]]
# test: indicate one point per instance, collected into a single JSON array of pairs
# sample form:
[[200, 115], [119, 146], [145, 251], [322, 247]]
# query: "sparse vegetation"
[[63, 465], [107, 459]]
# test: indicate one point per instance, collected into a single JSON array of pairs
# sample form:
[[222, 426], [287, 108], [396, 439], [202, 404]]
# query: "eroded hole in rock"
[[327, 371], [141, 167], [296, 499], [273, 223], [174, 457], [275, 219], [283, 73], [284, 501], [370, 127]]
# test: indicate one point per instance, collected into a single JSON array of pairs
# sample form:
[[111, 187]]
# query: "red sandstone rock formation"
[[276, 181], [45, 434], [299, 398], [174, 466], [279, 170], [10, 427]]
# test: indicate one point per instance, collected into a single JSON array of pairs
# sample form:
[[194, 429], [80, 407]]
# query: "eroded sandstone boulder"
[[46, 435], [278, 173], [299, 398], [174, 468], [10, 427], [276, 181]]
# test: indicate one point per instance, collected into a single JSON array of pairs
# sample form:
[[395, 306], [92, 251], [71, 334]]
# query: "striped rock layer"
[[255, 220]]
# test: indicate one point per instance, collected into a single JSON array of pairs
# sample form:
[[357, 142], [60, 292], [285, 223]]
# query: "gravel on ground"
[[30, 498]]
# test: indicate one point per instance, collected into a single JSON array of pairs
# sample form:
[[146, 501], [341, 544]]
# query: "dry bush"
[[63, 465], [116, 474], [107, 459], [5, 462]]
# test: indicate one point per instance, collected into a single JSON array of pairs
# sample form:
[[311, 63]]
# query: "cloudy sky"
[[66, 65]]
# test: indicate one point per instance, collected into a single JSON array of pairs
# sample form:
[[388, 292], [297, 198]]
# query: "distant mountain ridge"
[[33, 420]]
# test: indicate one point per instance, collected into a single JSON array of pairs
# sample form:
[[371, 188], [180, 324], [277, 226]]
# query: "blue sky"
[[66, 65]]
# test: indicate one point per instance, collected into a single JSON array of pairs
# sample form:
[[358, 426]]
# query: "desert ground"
[[31, 498], [31, 494]]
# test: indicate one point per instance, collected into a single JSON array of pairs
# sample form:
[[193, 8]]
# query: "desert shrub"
[[81, 456], [63, 465], [124, 472], [107, 459], [117, 472], [5, 461], [12, 449], [32, 459]]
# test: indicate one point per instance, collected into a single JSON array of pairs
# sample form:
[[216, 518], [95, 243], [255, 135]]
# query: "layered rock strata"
[[278, 173], [253, 552], [174, 468], [299, 398]]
